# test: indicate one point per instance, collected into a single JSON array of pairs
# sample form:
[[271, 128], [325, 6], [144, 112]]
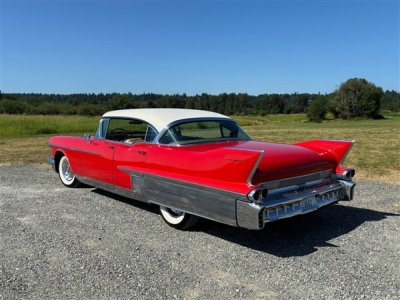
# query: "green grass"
[[258, 120], [17, 125], [389, 114], [375, 155]]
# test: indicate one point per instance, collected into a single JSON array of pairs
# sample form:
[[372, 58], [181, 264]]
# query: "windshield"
[[203, 131]]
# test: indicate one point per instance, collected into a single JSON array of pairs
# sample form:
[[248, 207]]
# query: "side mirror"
[[87, 136]]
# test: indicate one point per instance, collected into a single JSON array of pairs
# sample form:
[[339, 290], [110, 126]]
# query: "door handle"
[[111, 147], [142, 152]]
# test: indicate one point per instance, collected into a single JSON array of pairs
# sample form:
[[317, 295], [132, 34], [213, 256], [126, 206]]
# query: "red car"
[[194, 163]]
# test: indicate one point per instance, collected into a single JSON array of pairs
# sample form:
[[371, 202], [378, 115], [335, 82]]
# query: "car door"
[[129, 165], [130, 162], [97, 160]]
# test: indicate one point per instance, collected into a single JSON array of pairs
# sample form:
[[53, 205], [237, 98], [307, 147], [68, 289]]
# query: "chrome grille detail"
[[291, 209]]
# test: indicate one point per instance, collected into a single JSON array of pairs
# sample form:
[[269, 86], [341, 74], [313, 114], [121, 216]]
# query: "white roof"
[[161, 117]]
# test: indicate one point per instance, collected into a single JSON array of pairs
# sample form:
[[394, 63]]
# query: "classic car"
[[198, 164]]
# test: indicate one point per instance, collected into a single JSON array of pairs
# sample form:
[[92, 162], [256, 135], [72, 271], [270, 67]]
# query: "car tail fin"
[[338, 149]]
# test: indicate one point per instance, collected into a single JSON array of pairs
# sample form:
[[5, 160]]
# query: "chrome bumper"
[[52, 162], [285, 205]]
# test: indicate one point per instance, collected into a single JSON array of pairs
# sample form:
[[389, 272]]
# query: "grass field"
[[375, 155]]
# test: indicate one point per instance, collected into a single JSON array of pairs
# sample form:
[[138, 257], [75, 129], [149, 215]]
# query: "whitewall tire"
[[178, 219], [66, 175]]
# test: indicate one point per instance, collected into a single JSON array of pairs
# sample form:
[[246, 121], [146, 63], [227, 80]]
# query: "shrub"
[[317, 109]]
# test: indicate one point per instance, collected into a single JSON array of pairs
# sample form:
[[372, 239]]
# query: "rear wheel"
[[66, 175], [178, 219]]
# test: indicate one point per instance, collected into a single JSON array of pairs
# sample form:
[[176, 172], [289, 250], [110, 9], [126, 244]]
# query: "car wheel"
[[66, 175], [178, 219]]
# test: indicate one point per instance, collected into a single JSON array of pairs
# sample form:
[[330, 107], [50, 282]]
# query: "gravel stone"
[[85, 243]]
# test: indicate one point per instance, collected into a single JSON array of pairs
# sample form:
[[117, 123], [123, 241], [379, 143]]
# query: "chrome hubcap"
[[66, 171]]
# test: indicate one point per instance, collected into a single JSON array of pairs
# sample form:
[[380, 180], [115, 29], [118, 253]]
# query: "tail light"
[[347, 174], [257, 195]]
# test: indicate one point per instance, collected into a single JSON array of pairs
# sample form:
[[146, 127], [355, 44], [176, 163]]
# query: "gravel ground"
[[60, 243]]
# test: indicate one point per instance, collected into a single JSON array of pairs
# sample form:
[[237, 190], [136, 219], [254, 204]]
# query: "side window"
[[118, 130], [231, 132], [129, 131]]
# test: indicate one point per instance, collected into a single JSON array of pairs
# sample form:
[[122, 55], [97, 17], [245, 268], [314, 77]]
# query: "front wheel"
[[178, 219], [66, 175]]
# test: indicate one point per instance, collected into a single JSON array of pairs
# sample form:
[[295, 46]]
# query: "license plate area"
[[308, 204]]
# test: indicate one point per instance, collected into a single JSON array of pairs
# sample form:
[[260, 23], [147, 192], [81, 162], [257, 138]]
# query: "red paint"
[[223, 165]]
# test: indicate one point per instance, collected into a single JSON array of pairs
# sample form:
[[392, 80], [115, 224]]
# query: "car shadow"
[[300, 235], [297, 236], [135, 203]]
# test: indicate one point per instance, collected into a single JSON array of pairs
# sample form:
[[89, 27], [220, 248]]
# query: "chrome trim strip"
[[128, 193], [74, 149], [256, 164], [294, 187], [288, 183], [255, 167], [345, 155]]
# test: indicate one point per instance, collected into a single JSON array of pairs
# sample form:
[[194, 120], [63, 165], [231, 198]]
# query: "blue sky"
[[175, 47]]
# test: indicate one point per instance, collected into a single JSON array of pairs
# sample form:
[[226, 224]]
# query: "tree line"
[[354, 98]]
